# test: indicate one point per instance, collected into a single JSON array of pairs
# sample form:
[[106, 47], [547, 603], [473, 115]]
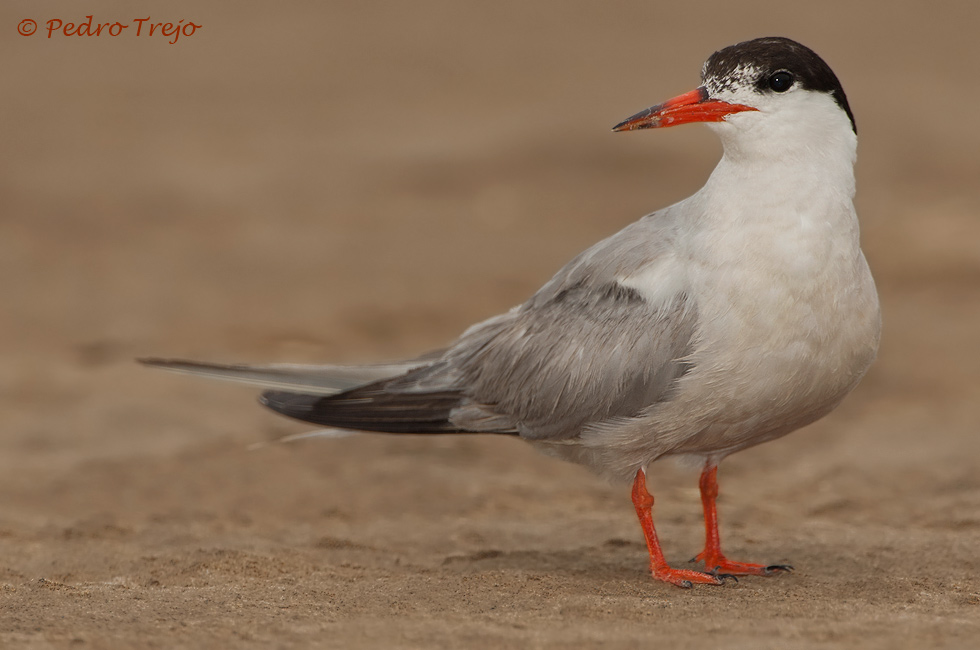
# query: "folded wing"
[[587, 348]]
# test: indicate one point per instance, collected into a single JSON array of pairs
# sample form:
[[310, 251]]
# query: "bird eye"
[[781, 81]]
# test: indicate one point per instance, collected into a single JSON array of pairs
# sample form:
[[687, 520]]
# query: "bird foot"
[[720, 565], [685, 578]]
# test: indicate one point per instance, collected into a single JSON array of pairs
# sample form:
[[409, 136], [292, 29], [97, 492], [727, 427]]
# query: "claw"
[[722, 576], [773, 568]]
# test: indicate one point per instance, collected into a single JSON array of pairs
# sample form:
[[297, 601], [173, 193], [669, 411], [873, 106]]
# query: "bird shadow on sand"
[[614, 558]]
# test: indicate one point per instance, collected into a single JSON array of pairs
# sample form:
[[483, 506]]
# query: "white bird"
[[723, 321]]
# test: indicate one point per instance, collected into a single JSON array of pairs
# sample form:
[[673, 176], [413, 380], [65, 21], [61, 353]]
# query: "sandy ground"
[[300, 182]]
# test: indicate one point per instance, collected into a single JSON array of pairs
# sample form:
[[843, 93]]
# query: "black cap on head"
[[774, 54]]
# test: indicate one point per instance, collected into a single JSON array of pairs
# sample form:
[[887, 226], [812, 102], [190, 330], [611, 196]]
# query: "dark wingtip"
[[295, 405]]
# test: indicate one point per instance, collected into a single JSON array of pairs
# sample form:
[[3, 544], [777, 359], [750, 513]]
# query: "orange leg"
[[643, 501], [714, 560]]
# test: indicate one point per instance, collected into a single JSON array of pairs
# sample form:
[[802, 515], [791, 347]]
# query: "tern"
[[726, 320]]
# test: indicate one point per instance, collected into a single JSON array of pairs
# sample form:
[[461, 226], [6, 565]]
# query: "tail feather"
[[354, 398], [313, 380]]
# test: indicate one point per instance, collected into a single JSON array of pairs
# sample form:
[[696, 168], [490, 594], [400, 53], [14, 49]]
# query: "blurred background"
[[345, 182]]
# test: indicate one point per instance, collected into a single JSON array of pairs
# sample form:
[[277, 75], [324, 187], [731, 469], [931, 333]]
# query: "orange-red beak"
[[689, 107]]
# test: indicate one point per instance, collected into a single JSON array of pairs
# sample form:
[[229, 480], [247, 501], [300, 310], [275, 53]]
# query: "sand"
[[301, 182]]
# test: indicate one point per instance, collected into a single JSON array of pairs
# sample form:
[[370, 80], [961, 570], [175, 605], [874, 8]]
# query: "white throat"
[[804, 137], [785, 167]]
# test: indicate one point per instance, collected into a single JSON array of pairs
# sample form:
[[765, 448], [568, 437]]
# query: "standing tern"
[[723, 321]]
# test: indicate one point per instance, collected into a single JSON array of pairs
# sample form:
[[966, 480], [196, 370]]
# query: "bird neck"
[[817, 170], [808, 147], [768, 187]]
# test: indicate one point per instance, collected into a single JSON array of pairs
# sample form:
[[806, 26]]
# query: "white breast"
[[789, 318]]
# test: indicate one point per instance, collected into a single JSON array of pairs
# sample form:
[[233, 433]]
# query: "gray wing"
[[584, 357], [584, 349]]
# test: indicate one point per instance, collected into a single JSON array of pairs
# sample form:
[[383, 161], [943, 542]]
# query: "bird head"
[[772, 94]]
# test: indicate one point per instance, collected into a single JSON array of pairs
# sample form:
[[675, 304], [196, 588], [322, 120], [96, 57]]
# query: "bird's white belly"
[[783, 338]]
